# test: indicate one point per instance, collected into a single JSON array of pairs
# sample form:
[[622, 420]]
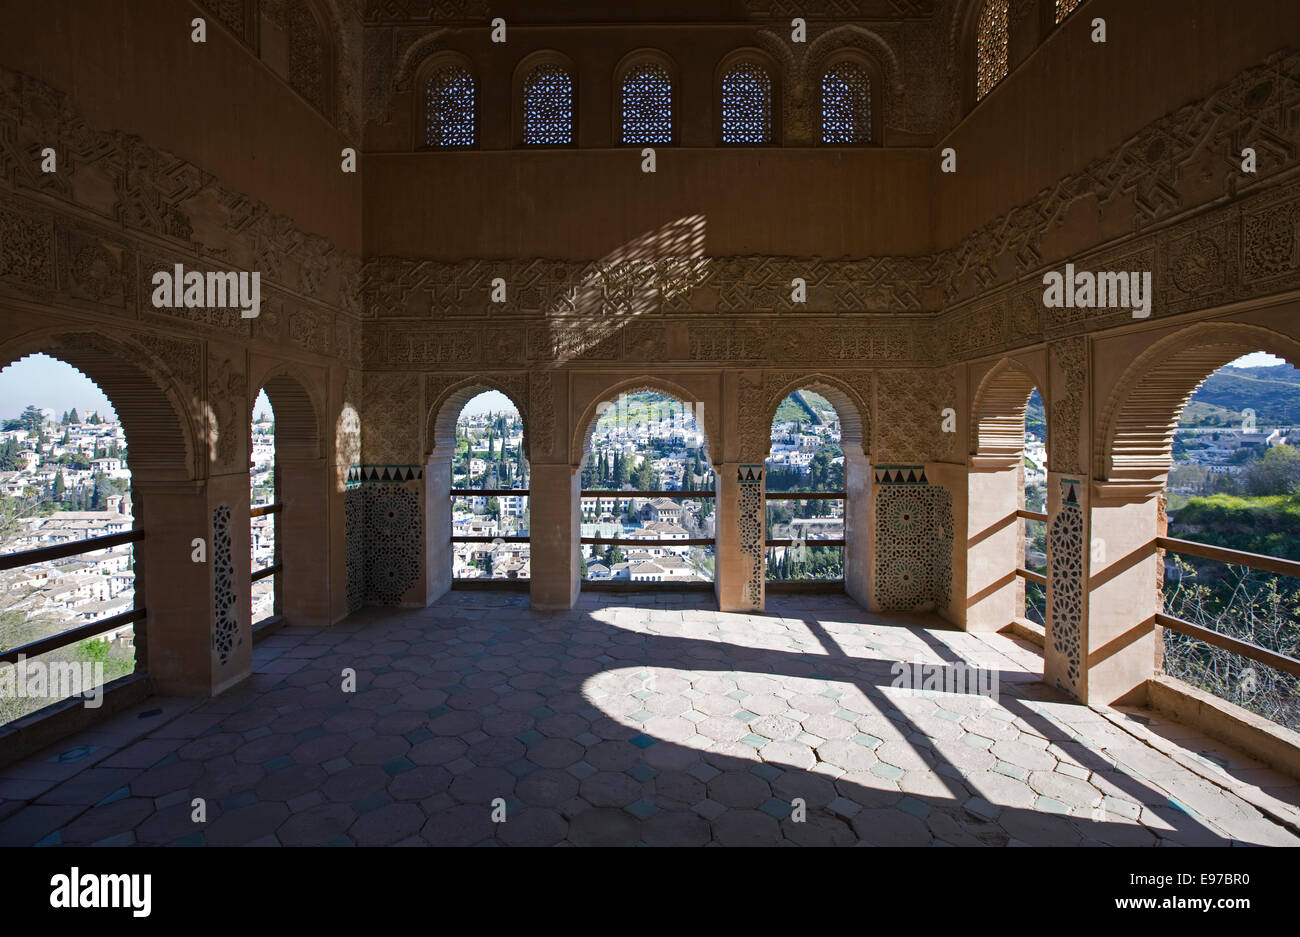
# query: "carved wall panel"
[[913, 541], [909, 416], [390, 419]]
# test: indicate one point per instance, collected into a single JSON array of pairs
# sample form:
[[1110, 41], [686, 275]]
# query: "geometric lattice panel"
[[393, 535], [1065, 546], [449, 108], [750, 478], [990, 47], [354, 527], [548, 106], [913, 544], [647, 105], [846, 104], [746, 104], [225, 636]]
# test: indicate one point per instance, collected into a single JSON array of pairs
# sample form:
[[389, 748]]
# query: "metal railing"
[[599, 494], [90, 629]]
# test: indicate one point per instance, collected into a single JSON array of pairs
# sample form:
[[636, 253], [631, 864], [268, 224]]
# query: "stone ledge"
[[64, 718], [1276, 746], [1024, 628]]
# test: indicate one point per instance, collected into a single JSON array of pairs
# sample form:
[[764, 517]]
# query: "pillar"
[[554, 495], [303, 539], [437, 525], [739, 531], [994, 543], [857, 526], [197, 633]]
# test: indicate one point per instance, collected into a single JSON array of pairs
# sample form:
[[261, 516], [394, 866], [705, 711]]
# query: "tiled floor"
[[638, 719]]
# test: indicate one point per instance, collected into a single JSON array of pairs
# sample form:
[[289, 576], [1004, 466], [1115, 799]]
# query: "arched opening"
[[287, 530], [68, 596], [489, 505], [477, 492], [545, 95], [645, 80], [1034, 503], [646, 505], [1234, 483], [748, 95], [1006, 554], [817, 445], [1209, 522], [805, 535], [846, 100], [264, 508]]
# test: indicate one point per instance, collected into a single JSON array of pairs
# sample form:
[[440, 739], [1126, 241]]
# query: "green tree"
[[1278, 473], [60, 487], [10, 458], [72, 416], [644, 479], [32, 419]]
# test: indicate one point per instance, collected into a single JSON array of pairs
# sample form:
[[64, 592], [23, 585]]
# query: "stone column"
[[1066, 646], [857, 526], [1122, 589], [437, 526], [553, 523], [197, 636], [303, 486], [994, 543], [739, 552]]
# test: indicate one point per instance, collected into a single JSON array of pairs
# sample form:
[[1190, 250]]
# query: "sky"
[[53, 385], [490, 401]]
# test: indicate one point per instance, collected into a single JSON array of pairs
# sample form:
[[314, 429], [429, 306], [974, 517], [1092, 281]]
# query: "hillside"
[[805, 407], [1272, 392]]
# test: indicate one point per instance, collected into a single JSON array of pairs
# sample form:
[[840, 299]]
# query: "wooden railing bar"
[[1251, 651], [266, 571], [1031, 576], [1271, 564], [71, 636], [62, 550]]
